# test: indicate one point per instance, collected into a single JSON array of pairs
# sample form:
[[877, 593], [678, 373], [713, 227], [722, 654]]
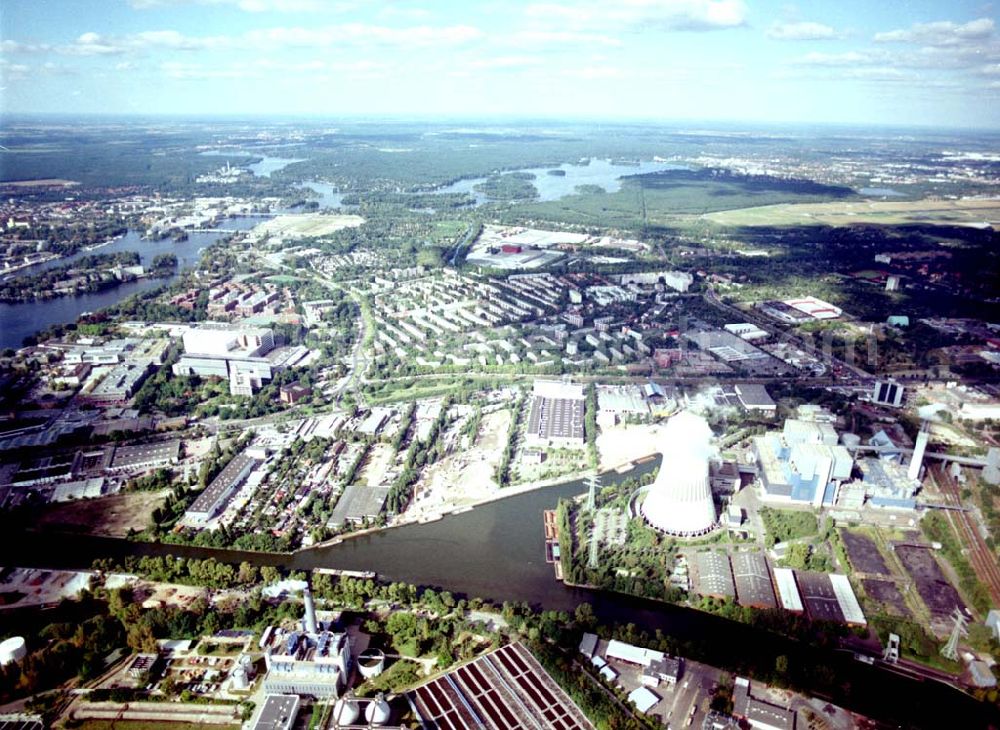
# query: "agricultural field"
[[848, 212]]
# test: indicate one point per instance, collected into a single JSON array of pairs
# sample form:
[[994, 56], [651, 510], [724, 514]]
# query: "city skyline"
[[930, 63]]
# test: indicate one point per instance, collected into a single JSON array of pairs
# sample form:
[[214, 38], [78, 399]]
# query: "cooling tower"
[[680, 500]]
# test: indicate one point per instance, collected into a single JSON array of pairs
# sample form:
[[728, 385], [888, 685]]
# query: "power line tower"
[[593, 482], [594, 554], [958, 630]]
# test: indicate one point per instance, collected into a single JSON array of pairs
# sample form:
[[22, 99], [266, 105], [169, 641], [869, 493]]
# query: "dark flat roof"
[[753, 580], [504, 690]]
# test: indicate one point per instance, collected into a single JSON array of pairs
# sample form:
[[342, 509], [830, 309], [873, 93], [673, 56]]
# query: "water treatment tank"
[[12, 650], [378, 712], [345, 712]]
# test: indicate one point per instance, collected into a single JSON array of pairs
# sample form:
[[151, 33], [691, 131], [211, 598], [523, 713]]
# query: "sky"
[[921, 62]]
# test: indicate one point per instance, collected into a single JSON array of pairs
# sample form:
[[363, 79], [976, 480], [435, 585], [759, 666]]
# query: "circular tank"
[[12, 650], [345, 712], [377, 712], [240, 679], [371, 663]]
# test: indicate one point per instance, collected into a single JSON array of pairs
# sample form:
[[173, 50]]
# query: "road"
[[980, 556]]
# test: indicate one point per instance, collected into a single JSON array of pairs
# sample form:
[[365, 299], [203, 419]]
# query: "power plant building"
[[803, 463], [312, 661], [680, 502]]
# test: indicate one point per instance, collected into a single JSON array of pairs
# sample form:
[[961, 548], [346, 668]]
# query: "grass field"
[[843, 213], [306, 225], [657, 204]]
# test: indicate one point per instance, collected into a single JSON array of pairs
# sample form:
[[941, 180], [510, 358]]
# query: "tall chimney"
[[310, 617], [918, 453]]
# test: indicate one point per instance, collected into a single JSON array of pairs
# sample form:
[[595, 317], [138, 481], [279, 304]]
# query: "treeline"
[[418, 455], [438, 201], [936, 528], [511, 186], [590, 425], [208, 572], [770, 183], [68, 238], [61, 651], [86, 274], [502, 474]]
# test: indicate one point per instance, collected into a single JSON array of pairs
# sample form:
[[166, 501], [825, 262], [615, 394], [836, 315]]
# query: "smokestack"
[[310, 617], [918, 454]]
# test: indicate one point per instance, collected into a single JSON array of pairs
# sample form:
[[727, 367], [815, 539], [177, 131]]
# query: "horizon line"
[[477, 118]]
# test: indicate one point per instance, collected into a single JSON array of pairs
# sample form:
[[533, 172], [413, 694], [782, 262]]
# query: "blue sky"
[[853, 61]]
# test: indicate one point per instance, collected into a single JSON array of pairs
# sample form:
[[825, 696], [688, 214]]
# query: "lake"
[[22, 319], [604, 173]]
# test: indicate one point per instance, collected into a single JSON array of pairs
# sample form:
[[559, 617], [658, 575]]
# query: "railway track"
[[980, 556]]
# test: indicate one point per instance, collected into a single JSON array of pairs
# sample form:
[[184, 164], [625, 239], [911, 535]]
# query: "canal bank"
[[496, 551]]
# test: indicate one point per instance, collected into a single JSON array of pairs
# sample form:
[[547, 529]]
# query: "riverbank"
[[420, 516]]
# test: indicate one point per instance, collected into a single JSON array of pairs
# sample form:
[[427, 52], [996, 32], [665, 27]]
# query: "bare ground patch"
[[113, 516]]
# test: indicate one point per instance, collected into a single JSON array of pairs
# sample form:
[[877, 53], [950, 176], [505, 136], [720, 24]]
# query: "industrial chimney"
[[310, 617]]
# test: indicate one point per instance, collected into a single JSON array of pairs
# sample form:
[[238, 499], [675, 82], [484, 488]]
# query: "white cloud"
[[9, 46], [13, 71], [174, 40], [848, 58], [266, 39], [359, 34], [804, 31], [250, 6], [669, 14], [547, 37], [267, 68], [181, 70], [505, 62], [93, 44], [941, 33]]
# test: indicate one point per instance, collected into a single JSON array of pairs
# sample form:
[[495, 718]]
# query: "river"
[[496, 551], [22, 319]]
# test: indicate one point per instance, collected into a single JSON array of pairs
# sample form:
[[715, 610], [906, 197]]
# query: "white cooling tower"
[[679, 502]]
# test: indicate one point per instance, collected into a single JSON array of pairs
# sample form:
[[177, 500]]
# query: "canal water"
[[496, 551]]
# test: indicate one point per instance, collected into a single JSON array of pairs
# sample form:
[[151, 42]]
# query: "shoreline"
[[435, 516]]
